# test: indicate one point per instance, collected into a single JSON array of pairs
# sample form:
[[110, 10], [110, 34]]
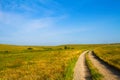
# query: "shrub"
[[30, 48]]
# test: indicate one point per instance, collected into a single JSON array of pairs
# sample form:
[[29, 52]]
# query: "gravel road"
[[81, 71], [108, 72]]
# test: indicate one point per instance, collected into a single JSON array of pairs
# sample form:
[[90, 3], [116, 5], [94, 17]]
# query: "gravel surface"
[[108, 72], [81, 71]]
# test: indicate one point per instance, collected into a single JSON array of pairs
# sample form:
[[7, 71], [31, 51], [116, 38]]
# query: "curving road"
[[81, 71], [108, 72]]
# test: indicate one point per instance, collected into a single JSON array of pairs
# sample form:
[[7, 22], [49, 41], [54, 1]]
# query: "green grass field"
[[49, 62]]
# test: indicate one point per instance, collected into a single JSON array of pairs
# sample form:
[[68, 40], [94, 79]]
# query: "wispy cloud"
[[38, 8], [11, 19], [38, 30], [34, 23], [26, 24]]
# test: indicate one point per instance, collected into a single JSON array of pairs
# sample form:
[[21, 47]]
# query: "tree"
[[65, 47], [29, 48]]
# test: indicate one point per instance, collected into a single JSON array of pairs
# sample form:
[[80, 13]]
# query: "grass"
[[50, 62], [93, 70], [69, 69], [38, 63], [110, 54]]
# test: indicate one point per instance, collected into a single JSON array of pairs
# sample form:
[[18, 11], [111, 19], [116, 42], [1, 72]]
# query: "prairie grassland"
[[49, 62], [109, 54], [37, 63]]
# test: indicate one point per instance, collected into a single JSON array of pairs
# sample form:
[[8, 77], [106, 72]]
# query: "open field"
[[50, 62], [32, 63]]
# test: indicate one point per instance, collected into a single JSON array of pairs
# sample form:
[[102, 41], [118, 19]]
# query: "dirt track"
[[81, 71], [108, 72]]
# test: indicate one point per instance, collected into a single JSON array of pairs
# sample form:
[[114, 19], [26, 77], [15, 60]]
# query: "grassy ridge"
[[43, 63], [93, 70], [109, 54]]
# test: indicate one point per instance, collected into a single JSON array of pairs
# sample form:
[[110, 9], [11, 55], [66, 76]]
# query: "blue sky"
[[55, 22]]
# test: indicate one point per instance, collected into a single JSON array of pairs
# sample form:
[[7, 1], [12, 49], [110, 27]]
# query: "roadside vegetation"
[[93, 70], [110, 54]]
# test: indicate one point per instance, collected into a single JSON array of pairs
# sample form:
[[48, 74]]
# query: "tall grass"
[[48, 62], [70, 68], [40, 63], [109, 54]]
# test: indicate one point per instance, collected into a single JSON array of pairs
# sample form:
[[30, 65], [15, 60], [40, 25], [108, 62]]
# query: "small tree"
[[30, 48], [65, 47]]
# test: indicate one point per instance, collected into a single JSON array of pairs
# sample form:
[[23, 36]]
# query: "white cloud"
[[24, 28], [35, 31], [33, 7], [23, 25], [11, 19]]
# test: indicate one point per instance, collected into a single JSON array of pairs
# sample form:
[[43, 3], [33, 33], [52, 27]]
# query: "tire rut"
[[108, 72]]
